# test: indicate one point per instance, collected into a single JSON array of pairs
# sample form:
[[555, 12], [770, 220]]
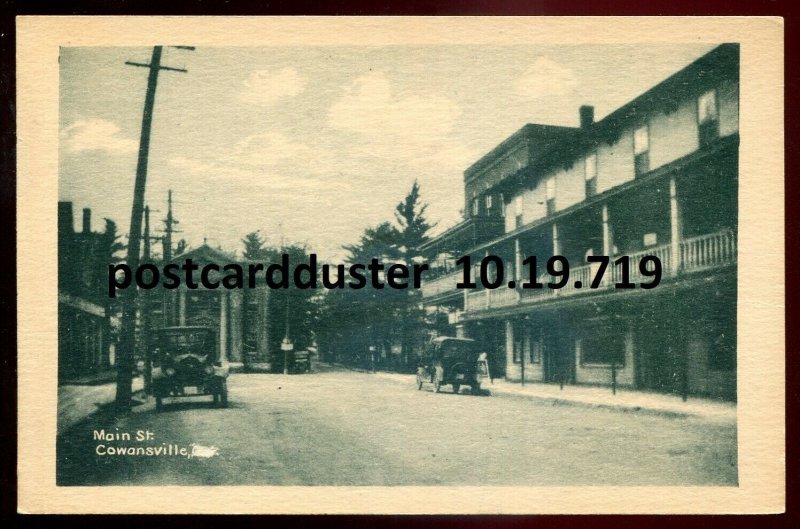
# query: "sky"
[[313, 144]]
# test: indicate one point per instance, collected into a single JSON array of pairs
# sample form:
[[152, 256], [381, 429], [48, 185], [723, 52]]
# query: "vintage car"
[[453, 361], [300, 361], [186, 364]]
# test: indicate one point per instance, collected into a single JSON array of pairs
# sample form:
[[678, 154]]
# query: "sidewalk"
[[601, 397], [76, 402]]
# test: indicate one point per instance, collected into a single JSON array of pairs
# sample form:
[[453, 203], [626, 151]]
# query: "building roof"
[[206, 254], [551, 146], [721, 62], [538, 137]]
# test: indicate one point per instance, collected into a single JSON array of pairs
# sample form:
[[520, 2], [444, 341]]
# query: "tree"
[[380, 242], [112, 241], [356, 320], [253, 246], [413, 233], [414, 227], [181, 247]]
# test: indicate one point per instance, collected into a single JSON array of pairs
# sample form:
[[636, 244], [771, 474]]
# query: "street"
[[335, 427]]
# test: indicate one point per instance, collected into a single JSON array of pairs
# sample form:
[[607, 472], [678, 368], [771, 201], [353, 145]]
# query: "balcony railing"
[[708, 251], [695, 254], [664, 254], [491, 299], [445, 284]]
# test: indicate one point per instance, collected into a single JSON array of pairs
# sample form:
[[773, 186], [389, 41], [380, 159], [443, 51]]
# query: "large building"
[[657, 177], [83, 310]]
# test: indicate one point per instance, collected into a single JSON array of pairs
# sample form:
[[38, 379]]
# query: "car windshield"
[[185, 341]]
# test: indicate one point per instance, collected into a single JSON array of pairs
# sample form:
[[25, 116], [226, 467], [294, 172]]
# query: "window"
[[590, 174], [641, 150], [501, 203], [550, 191], [522, 342], [518, 211], [536, 345], [528, 342], [476, 205], [488, 200], [707, 117]]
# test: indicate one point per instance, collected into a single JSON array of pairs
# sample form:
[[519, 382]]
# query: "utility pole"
[[146, 252], [169, 229], [168, 300], [125, 356], [144, 306]]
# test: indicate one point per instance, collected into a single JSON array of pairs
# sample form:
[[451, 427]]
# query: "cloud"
[[273, 149], [190, 165], [369, 108], [97, 135], [266, 87], [546, 78], [264, 161]]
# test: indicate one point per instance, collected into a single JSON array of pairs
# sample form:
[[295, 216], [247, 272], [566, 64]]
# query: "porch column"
[[485, 290], [235, 353], [182, 307], [606, 245], [556, 250], [556, 245], [675, 227], [223, 325], [509, 343], [262, 322], [517, 261]]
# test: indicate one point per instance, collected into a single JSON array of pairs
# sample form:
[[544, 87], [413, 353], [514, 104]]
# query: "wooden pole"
[[125, 355]]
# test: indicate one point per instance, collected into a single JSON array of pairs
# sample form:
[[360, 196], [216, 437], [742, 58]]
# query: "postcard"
[[400, 265]]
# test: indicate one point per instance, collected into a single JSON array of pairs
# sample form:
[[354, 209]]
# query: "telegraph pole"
[[169, 229], [144, 306], [125, 355], [146, 252]]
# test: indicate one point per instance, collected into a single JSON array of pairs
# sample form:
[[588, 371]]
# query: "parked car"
[[453, 361], [186, 364]]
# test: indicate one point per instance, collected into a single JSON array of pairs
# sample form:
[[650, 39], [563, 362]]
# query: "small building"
[[240, 317]]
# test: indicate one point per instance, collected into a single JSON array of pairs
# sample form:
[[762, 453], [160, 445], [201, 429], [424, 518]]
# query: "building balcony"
[[696, 254], [442, 286]]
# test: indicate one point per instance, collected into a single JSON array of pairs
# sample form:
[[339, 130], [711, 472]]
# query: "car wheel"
[[223, 395], [456, 387]]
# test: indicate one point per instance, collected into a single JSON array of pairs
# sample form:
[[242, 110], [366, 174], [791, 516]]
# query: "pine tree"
[[111, 241], [253, 246], [414, 227], [380, 242]]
